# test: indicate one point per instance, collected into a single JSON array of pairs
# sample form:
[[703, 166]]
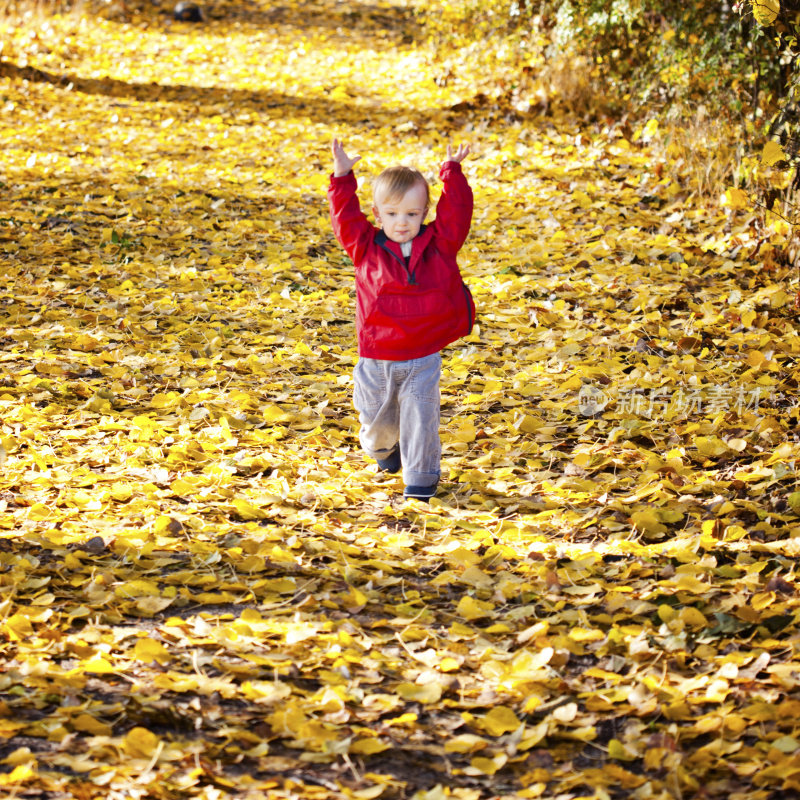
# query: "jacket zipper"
[[412, 277], [412, 281]]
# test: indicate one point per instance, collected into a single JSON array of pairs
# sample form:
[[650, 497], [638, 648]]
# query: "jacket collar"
[[410, 264], [382, 240]]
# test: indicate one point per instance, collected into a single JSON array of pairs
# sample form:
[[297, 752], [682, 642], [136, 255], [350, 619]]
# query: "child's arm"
[[460, 154], [454, 209], [342, 163], [350, 225]]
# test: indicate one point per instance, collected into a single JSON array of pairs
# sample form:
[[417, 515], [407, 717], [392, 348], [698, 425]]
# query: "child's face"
[[402, 218]]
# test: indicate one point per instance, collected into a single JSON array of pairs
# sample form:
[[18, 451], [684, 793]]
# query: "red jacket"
[[406, 311]]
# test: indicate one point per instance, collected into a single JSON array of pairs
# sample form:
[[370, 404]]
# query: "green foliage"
[[777, 178], [660, 53], [720, 76]]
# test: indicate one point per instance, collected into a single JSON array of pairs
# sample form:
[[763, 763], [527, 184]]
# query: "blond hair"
[[394, 182]]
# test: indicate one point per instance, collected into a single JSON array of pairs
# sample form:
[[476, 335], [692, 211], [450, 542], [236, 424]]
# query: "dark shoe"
[[391, 464], [423, 493]]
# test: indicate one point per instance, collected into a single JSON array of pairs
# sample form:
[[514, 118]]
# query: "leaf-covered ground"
[[207, 592]]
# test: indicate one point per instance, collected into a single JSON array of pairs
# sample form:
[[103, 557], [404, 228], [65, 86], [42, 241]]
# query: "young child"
[[410, 303]]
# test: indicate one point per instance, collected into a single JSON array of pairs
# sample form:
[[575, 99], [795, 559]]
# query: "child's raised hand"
[[459, 155], [342, 163]]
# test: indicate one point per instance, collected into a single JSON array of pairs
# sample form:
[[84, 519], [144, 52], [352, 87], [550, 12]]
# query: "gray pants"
[[398, 403]]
